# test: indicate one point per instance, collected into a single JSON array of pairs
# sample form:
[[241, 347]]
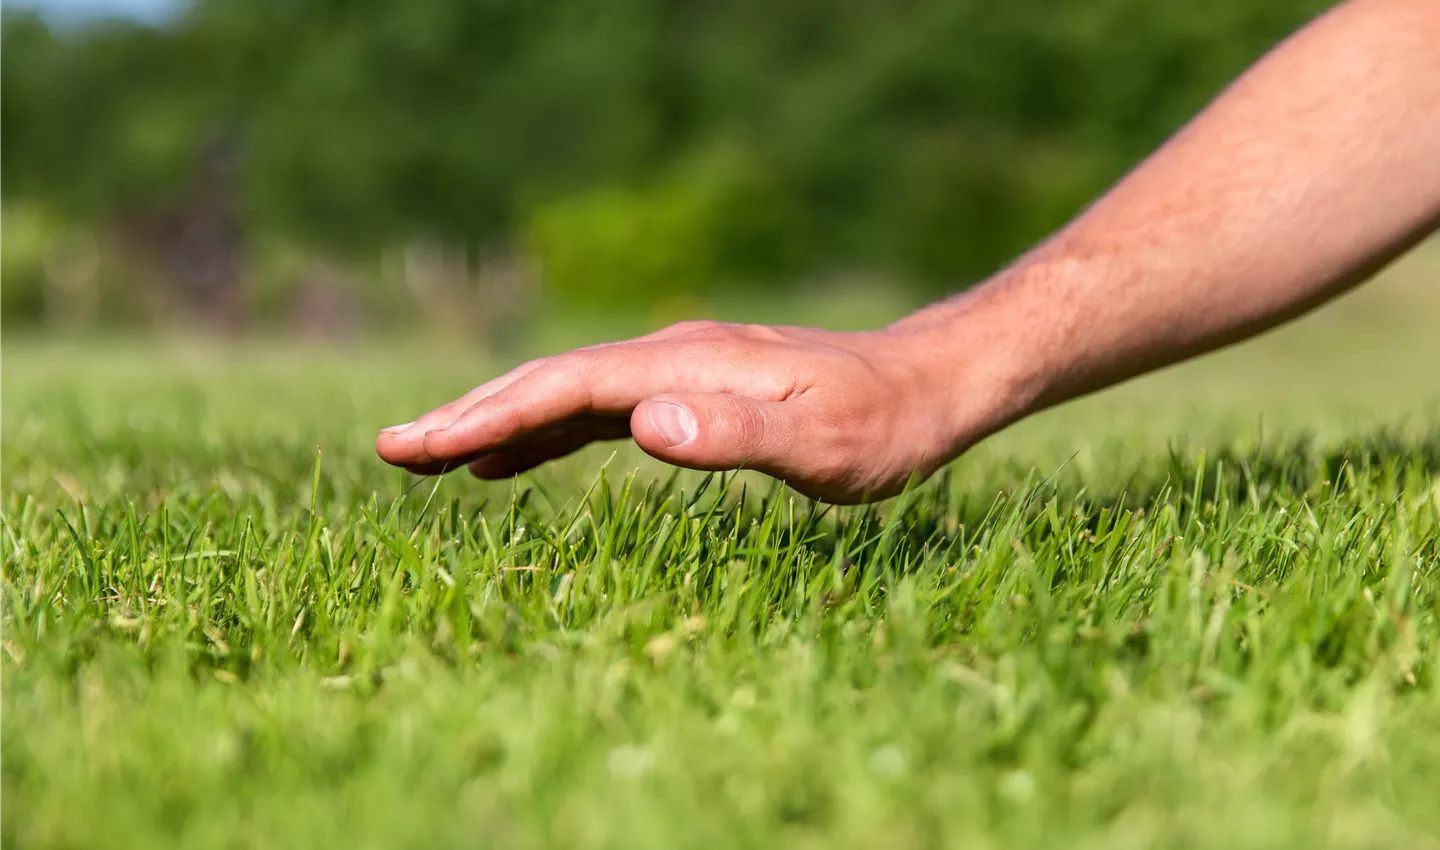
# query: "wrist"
[[986, 358]]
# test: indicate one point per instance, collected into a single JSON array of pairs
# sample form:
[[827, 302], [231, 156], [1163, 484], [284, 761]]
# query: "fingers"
[[402, 445], [514, 418], [717, 431], [607, 381], [533, 452], [549, 443]]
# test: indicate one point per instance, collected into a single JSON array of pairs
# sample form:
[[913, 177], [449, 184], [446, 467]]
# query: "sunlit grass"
[[1149, 620]]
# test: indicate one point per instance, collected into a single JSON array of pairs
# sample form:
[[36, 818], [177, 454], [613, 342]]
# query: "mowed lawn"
[[1199, 611]]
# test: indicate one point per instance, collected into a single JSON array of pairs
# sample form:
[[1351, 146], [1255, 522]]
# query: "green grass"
[[1200, 612]]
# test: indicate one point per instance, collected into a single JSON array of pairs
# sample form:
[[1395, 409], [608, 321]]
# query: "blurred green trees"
[[629, 145], [708, 221]]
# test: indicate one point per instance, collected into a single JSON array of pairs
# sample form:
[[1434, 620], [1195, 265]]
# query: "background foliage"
[[629, 147]]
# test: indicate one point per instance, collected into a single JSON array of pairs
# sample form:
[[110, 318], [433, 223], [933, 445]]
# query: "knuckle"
[[761, 332], [694, 325], [576, 383], [729, 331], [564, 374], [567, 383]]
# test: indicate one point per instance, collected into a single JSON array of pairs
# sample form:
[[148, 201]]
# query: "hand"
[[844, 417], [1311, 171]]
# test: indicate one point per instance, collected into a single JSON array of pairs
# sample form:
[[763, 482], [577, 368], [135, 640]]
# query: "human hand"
[[1311, 171], [843, 417]]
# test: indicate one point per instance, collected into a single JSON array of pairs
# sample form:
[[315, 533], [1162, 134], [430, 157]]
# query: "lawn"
[[1199, 611]]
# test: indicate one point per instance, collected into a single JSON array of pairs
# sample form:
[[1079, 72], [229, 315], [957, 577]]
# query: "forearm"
[[1316, 167], [1313, 169]]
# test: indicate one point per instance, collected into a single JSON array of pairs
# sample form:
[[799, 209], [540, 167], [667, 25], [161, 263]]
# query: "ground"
[[1199, 611]]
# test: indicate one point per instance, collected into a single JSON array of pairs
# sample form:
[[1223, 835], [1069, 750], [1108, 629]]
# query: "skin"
[[1310, 172]]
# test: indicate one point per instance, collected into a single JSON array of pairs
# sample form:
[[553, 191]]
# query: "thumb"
[[716, 431]]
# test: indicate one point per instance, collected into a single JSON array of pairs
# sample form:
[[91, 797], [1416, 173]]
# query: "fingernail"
[[393, 428], [675, 424]]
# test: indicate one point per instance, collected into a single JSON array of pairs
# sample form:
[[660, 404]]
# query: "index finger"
[[403, 444], [609, 381]]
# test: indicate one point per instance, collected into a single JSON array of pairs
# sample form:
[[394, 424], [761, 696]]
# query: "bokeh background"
[[512, 174]]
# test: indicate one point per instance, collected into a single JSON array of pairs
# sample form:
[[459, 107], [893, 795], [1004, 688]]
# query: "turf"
[[1199, 613]]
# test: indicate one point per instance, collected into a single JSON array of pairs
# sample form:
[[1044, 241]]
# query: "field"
[[1198, 611]]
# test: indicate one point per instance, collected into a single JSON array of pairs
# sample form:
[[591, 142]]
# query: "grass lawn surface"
[[1199, 611]]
